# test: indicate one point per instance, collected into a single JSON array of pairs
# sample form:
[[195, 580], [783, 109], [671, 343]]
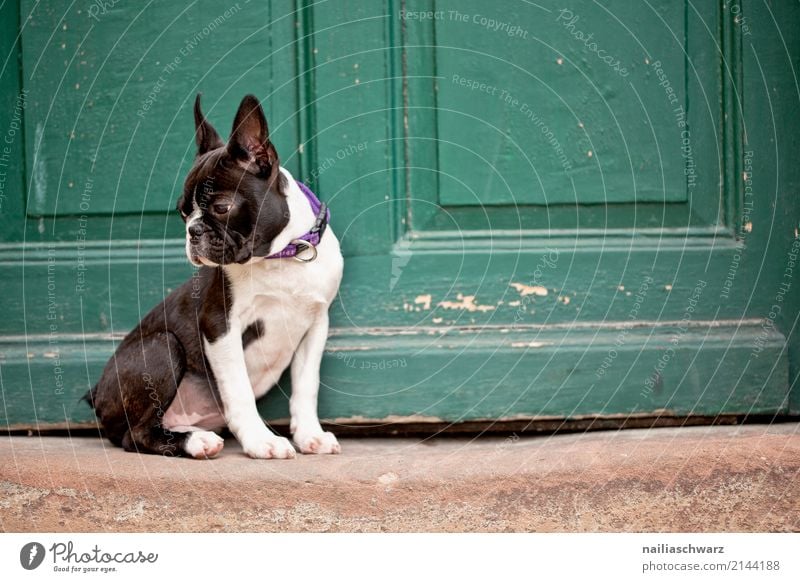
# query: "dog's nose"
[[195, 230]]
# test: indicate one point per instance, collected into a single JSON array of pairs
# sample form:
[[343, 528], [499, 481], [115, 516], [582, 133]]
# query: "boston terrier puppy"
[[268, 270]]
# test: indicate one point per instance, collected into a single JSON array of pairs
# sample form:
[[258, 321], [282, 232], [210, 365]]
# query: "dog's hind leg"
[[153, 368]]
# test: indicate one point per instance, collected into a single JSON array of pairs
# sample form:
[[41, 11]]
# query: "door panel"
[[118, 137], [635, 171], [531, 111]]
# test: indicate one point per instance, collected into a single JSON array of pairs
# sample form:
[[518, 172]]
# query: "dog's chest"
[[285, 298], [282, 324], [281, 300]]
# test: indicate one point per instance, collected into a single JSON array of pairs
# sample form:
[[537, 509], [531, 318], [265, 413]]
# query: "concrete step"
[[724, 478]]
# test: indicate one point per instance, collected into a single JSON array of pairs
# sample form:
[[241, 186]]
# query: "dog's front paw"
[[274, 447], [203, 444], [317, 443]]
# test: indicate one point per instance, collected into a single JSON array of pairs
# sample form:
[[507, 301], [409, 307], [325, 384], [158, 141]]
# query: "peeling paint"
[[437, 319], [525, 290], [424, 300], [465, 302], [748, 227], [514, 303], [420, 302], [564, 299], [532, 344]]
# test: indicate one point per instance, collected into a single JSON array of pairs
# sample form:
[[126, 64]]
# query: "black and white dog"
[[268, 272]]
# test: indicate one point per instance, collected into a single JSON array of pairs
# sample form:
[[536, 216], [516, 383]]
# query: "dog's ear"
[[206, 136], [249, 142]]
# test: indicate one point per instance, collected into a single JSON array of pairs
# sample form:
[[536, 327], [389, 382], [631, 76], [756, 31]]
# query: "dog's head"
[[233, 200]]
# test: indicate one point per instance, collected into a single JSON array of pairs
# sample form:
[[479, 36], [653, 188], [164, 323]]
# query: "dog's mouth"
[[195, 257], [199, 259], [196, 260]]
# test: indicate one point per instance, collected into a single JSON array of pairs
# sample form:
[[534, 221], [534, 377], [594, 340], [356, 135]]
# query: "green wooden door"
[[546, 213]]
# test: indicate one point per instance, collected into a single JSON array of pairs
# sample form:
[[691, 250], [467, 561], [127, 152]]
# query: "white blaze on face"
[[190, 220]]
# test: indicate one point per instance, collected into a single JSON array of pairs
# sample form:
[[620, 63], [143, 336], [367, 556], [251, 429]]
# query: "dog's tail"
[[89, 396]]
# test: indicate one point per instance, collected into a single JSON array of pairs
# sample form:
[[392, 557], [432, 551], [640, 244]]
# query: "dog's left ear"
[[249, 142], [206, 136]]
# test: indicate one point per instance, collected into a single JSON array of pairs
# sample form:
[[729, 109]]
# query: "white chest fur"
[[284, 297]]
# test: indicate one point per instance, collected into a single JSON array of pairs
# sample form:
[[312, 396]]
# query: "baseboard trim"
[[401, 376]]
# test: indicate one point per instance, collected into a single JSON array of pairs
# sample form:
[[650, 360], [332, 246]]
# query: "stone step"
[[721, 478]]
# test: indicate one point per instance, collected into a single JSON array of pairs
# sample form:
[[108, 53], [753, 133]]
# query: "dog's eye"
[[222, 208]]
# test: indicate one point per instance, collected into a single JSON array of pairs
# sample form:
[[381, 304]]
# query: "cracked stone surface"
[[724, 478]]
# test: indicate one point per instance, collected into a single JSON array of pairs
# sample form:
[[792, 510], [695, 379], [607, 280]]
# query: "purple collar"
[[310, 240]]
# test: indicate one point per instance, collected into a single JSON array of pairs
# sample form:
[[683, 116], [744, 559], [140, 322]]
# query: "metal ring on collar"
[[303, 245]]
